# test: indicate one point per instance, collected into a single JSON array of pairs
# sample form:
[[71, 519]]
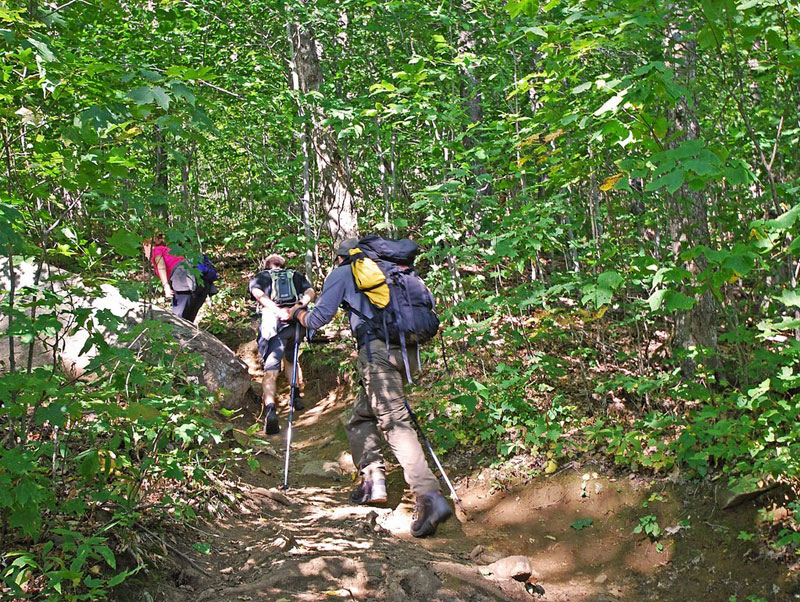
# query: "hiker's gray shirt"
[[339, 287]]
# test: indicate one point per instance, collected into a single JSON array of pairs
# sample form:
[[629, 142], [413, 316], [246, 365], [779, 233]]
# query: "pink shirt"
[[170, 260]]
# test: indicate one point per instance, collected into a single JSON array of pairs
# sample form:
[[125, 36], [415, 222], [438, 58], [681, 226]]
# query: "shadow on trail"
[[576, 528]]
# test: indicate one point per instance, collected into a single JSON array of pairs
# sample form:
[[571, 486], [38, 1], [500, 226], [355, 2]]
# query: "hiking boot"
[[369, 493], [299, 406], [271, 426], [430, 510]]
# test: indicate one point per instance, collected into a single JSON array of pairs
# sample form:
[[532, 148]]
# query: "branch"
[[205, 83], [63, 6]]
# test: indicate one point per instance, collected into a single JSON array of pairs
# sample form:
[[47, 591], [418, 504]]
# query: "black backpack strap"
[[349, 308], [403, 349]]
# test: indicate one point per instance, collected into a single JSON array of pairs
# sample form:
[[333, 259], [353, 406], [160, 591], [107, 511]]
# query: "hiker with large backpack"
[[279, 290], [391, 312]]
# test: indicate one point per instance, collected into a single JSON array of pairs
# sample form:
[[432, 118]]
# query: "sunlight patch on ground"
[[334, 545]]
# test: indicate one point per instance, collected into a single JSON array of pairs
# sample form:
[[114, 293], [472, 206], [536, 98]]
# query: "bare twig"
[[173, 549], [65, 5]]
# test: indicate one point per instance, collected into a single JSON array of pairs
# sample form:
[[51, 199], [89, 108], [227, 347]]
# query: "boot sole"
[[370, 502]]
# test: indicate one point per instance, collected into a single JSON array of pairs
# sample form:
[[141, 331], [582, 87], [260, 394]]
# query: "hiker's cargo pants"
[[380, 409]]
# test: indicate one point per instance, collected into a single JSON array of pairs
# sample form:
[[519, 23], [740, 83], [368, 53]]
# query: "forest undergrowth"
[[533, 393]]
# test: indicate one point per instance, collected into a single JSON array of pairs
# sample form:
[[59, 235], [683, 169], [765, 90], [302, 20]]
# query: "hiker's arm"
[[301, 283], [302, 303], [327, 304], [263, 300], [161, 270], [307, 297]]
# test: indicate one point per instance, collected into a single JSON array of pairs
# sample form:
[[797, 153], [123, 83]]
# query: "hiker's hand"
[[300, 314], [168, 294], [284, 314]]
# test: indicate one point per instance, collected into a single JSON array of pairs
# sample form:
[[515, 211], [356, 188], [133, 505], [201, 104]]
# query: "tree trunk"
[[387, 206], [472, 98], [333, 182], [161, 180], [688, 223]]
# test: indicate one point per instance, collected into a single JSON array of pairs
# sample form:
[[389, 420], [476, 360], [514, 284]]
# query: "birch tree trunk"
[[306, 199], [333, 182]]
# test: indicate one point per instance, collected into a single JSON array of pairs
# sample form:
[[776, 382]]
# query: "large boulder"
[[223, 373]]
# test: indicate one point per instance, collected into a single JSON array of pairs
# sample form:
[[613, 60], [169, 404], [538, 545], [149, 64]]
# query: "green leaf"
[[203, 548], [701, 167], [536, 30], [610, 105], [741, 263], [139, 411], [517, 7], [119, 578], [44, 52], [672, 180], [142, 96], [582, 523], [182, 91], [107, 555], [786, 220], [581, 88], [670, 300], [161, 97], [90, 464], [27, 519], [506, 248], [55, 413], [674, 300], [470, 402], [610, 280], [737, 175], [790, 297], [27, 492], [125, 242]]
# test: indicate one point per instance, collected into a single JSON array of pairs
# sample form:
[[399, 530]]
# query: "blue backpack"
[[209, 273], [207, 269]]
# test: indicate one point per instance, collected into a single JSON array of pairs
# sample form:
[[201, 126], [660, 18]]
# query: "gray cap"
[[346, 245]]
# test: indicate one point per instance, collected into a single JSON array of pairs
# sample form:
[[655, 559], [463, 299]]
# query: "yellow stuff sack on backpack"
[[369, 278]]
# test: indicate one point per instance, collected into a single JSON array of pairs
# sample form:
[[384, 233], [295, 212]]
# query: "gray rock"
[[222, 372], [322, 468], [482, 555], [512, 567], [415, 583]]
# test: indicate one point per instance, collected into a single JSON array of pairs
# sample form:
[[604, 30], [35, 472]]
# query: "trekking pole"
[[292, 398], [435, 459]]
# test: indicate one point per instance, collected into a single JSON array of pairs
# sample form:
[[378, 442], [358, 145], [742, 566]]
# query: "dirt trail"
[[575, 527]]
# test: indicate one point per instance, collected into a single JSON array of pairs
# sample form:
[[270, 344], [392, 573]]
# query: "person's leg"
[[271, 351], [365, 446], [180, 303], [198, 297], [269, 385], [365, 440], [384, 379], [288, 366]]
